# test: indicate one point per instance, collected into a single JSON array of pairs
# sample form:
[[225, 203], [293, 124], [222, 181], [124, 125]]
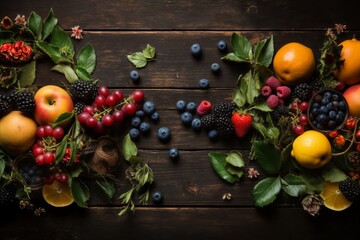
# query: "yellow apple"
[[51, 101]]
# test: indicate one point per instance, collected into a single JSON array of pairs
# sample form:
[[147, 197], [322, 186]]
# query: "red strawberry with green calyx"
[[242, 123]]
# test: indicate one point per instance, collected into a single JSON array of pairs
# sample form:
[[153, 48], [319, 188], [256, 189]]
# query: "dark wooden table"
[[193, 207]]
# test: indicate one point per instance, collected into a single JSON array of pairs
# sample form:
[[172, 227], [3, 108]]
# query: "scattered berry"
[[155, 117], [272, 82], [203, 108], [181, 105], [213, 135], [196, 124], [186, 118], [266, 91], [134, 75], [221, 45], [283, 92], [191, 107], [135, 122], [164, 134], [204, 83], [134, 133], [196, 50], [174, 153], [144, 127], [272, 101], [215, 68], [149, 108], [157, 197]]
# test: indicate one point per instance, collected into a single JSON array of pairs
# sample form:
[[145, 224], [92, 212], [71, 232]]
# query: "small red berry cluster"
[[300, 119], [274, 92], [15, 52], [109, 108]]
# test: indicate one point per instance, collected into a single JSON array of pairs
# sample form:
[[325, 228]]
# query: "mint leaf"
[[80, 193], [266, 190], [86, 59], [293, 185], [249, 86], [35, 25], [137, 59], [241, 46], [129, 148], [218, 163], [65, 69], [233, 58], [149, 52], [48, 25], [235, 159], [264, 51], [239, 97], [268, 157], [107, 187], [26, 76], [262, 106]]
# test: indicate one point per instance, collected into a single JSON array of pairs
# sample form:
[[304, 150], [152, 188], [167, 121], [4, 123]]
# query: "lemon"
[[311, 149], [333, 197], [57, 194]]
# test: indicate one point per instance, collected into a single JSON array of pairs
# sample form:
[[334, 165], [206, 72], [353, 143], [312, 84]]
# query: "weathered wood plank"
[[192, 15]]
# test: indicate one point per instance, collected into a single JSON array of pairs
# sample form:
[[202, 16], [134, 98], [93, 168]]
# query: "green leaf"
[[49, 24], [60, 39], [232, 57], [262, 106], [35, 25], [314, 184], [61, 149], [2, 166], [63, 118], [107, 187], [268, 157], [239, 97], [65, 69], [264, 51], [218, 162], [333, 174], [293, 185], [27, 74], [137, 59], [149, 52], [86, 59], [82, 73], [235, 171], [80, 193], [241, 46], [54, 53], [235, 159], [129, 148], [266, 190]]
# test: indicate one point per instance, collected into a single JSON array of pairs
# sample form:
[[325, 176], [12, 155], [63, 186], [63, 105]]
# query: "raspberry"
[[266, 91], [208, 122], [204, 107], [272, 101], [83, 91], [272, 82], [25, 102], [283, 92], [351, 189]]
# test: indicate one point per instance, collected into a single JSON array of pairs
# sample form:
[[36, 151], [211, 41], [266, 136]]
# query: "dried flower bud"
[[311, 204], [6, 22]]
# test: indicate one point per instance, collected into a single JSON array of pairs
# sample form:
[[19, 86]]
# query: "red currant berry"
[[48, 130], [129, 109], [294, 106], [91, 122], [39, 143], [57, 176], [298, 129], [357, 135], [100, 100], [111, 100], [138, 95], [49, 179], [63, 178], [303, 106], [88, 109], [82, 117], [118, 115], [103, 91], [303, 120], [38, 151], [118, 94], [107, 120], [40, 160], [58, 132], [99, 129], [49, 157], [40, 132]]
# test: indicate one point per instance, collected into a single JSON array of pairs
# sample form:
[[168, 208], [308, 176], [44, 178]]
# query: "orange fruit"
[[294, 63], [57, 194], [333, 198], [349, 72], [17, 133]]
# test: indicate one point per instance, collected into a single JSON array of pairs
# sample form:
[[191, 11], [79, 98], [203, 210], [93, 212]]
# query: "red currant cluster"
[[45, 147], [300, 118], [109, 108], [61, 177]]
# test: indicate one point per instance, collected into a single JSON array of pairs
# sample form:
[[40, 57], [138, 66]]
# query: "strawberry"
[[242, 123], [204, 107]]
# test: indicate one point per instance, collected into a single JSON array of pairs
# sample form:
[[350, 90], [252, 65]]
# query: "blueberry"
[[221, 45], [134, 133], [181, 105], [196, 50], [186, 118], [327, 95], [342, 105], [134, 75], [203, 83], [323, 110], [135, 121], [164, 134], [332, 114], [215, 67], [174, 153], [325, 101], [155, 117], [340, 117], [196, 124], [144, 127], [213, 135], [157, 197], [191, 107], [149, 107], [330, 106], [322, 118], [335, 97], [331, 124], [140, 113]]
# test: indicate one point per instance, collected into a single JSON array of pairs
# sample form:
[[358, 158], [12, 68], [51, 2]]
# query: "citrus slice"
[[333, 198], [57, 194]]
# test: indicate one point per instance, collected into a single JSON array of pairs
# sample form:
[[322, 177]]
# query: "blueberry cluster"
[[188, 114], [32, 173], [328, 110]]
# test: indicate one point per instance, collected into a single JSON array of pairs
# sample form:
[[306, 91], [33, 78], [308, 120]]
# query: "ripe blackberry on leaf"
[[351, 189], [25, 101], [83, 91]]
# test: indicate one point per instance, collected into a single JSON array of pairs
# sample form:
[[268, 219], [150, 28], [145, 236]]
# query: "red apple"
[[352, 96], [51, 101]]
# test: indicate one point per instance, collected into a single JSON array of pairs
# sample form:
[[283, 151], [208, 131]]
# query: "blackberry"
[[208, 122], [224, 126], [316, 85], [280, 111], [25, 102], [6, 105], [78, 107], [303, 91], [83, 91], [351, 189], [224, 109], [7, 197]]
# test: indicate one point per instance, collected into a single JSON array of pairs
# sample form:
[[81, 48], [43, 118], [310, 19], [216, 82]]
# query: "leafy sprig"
[[140, 59]]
